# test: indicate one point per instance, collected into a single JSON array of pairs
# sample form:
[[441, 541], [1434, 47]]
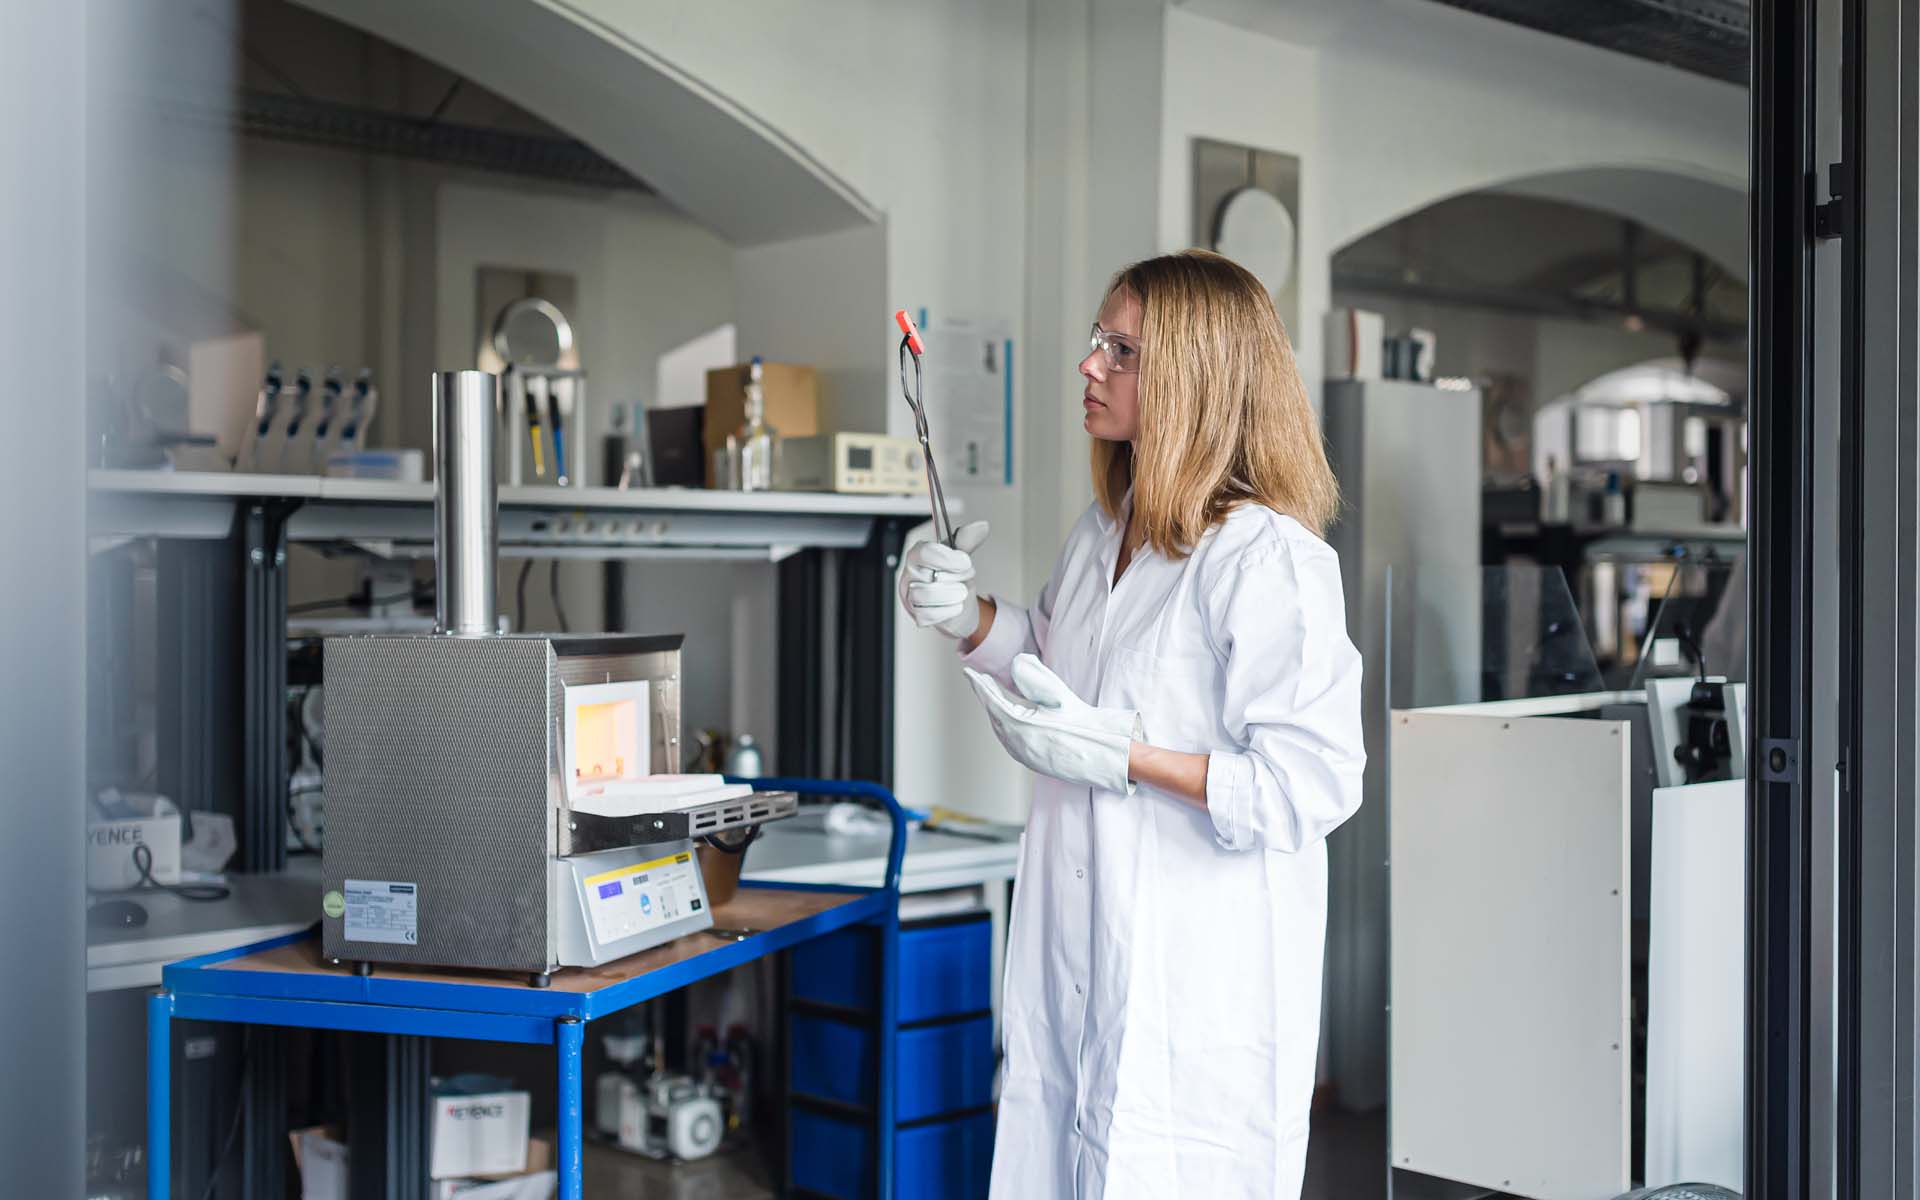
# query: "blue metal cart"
[[285, 982]]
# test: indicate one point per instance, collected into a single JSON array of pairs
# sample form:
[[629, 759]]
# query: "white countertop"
[[800, 850], [261, 907]]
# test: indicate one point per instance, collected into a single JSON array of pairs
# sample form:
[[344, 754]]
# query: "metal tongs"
[[910, 344]]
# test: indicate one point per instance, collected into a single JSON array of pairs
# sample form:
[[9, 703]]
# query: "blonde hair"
[[1224, 417]]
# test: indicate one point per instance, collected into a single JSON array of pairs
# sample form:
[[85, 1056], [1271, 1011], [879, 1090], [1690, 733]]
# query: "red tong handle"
[[912, 331]]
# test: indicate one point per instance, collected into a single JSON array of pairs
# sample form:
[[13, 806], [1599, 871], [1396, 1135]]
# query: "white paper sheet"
[[969, 400]]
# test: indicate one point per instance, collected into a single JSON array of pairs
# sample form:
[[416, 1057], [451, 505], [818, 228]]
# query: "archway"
[[713, 159]]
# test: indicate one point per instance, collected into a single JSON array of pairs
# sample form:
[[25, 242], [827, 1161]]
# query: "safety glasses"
[[1122, 352]]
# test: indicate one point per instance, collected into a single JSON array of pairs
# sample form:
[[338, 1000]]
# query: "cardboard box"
[[479, 1135], [322, 1160], [538, 1182], [223, 385], [793, 404], [110, 846]]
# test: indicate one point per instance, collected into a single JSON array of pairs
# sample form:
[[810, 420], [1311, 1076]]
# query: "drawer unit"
[[946, 968], [942, 1068], [944, 1064], [935, 1160]]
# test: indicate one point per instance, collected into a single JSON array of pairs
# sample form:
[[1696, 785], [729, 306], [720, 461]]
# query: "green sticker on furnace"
[[333, 904]]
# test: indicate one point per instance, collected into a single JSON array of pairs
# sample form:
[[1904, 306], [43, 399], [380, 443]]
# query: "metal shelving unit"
[[223, 565], [596, 521], [222, 542]]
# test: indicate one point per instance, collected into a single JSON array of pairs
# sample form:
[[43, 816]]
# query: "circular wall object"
[[1255, 230]]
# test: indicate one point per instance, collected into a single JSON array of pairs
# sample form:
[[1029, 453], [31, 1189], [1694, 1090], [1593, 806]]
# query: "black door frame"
[[1780, 692]]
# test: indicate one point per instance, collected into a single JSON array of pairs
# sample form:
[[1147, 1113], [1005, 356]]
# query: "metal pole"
[[568, 1038], [159, 1095], [466, 533]]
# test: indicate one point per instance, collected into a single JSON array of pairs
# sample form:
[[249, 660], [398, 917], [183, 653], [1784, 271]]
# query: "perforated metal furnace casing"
[[443, 770]]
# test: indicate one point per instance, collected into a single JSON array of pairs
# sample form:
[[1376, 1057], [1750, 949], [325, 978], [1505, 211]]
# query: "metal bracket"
[[592, 833], [1780, 760], [261, 534], [1830, 219]]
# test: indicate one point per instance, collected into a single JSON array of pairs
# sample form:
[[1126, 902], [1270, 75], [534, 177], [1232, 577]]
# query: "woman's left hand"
[[1050, 730]]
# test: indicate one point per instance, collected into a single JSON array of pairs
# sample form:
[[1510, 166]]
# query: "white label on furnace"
[[644, 896], [380, 910]]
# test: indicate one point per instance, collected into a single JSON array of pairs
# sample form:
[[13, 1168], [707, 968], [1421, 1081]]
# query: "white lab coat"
[[1162, 1003]]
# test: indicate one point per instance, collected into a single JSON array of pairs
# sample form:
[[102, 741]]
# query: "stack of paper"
[[656, 793]]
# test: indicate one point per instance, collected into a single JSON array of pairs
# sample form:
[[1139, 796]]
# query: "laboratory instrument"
[[912, 344], [301, 429], [855, 463], [496, 801]]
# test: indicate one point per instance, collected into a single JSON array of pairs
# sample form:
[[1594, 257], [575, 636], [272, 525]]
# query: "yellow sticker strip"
[[620, 872]]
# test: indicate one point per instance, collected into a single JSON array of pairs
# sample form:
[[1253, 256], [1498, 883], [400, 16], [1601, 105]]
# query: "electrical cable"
[[520, 591], [143, 863], [553, 588], [354, 601]]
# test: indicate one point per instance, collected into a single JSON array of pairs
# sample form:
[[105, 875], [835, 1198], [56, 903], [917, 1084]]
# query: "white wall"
[[922, 110]]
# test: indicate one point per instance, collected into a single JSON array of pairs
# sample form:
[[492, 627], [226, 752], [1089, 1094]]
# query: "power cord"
[[353, 601], [520, 593], [143, 863], [553, 588]]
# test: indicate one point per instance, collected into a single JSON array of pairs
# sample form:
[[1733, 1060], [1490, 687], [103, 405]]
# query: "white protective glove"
[[1054, 732], [936, 583]]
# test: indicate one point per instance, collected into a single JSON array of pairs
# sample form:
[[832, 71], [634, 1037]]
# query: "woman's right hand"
[[936, 583]]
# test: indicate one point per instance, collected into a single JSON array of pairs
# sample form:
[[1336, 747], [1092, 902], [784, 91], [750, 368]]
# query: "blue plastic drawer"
[[943, 1068], [941, 1160], [946, 968], [945, 1160], [830, 1156]]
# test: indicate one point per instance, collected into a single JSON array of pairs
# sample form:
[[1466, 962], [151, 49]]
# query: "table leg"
[[159, 1095], [569, 1037], [889, 1046]]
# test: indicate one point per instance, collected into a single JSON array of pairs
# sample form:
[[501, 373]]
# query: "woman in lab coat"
[[1186, 691]]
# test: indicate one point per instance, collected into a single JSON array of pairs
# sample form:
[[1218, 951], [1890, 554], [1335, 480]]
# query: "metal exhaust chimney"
[[466, 503]]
